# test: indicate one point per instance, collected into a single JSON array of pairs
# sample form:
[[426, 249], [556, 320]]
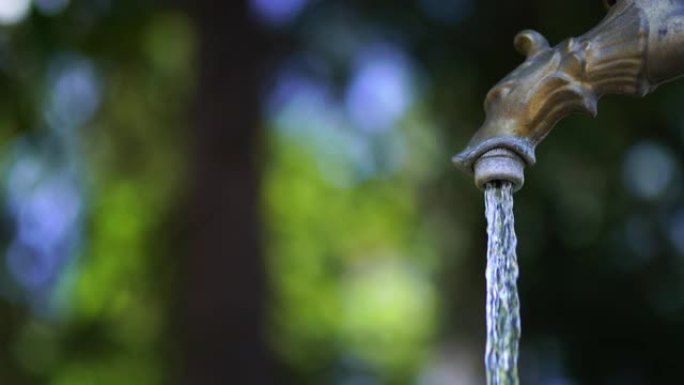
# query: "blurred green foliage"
[[114, 297], [353, 266]]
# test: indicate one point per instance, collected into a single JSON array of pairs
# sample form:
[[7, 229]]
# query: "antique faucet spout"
[[638, 46]]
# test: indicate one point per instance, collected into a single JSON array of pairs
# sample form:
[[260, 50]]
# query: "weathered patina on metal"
[[638, 46]]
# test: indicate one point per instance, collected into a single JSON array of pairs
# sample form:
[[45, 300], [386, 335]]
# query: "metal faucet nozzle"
[[638, 46]]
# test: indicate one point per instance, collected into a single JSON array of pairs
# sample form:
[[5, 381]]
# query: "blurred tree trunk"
[[224, 294]]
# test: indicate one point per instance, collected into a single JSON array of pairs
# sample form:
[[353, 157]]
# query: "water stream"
[[503, 304]]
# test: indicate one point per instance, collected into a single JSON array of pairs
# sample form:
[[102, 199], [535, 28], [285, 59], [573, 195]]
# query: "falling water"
[[503, 305]]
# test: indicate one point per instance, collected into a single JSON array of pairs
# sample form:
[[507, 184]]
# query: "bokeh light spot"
[[170, 43], [649, 169], [45, 204], [31, 268], [641, 239], [447, 11], [13, 11], [48, 213], [381, 88], [51, 7], [74, 92], [304, 111], [277, 12], [676, 231], [379, 299]]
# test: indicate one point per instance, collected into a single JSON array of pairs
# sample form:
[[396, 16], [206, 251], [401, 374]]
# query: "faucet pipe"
[[638, 46]]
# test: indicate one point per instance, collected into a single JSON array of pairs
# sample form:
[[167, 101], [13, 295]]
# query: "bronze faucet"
[[638, 46]]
